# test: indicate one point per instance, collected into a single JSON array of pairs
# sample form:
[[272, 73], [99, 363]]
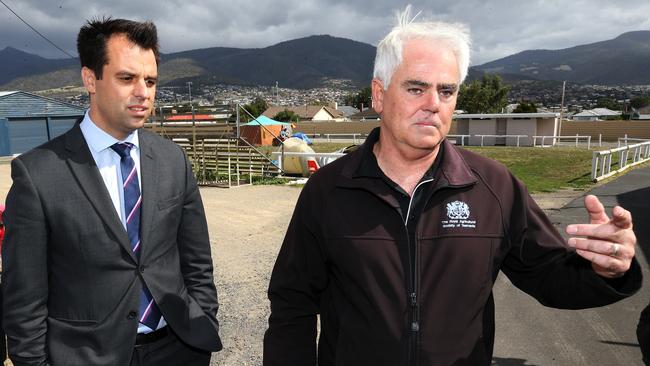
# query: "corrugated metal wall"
[[28, 120], [23, 104], [18, 135]]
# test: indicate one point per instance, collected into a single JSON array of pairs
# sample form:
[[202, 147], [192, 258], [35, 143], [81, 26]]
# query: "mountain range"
[[324, 60], [624, 60]]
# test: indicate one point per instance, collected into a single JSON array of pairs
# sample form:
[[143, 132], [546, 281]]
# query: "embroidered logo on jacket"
[[458, 213], [457, 210]]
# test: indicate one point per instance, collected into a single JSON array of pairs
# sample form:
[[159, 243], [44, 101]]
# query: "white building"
[[507, 126]]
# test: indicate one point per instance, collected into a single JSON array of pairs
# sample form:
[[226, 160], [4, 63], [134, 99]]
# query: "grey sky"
[[499, 28]]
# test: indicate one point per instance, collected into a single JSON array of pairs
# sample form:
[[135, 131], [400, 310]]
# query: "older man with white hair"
[[397, 245]]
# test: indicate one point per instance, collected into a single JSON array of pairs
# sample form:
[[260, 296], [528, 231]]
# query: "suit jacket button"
[[141, 269], [132, 315]]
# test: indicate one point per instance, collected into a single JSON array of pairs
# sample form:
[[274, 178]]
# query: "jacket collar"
[[453, 167]]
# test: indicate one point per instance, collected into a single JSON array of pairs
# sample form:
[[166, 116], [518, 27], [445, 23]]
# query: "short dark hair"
[[92, 38]]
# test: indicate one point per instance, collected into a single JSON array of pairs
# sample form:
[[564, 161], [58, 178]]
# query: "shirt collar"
[[98, 140]]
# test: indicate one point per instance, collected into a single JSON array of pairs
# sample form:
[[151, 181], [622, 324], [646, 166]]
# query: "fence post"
[[600, 140], [594, 166], [588, 142], [622, 159]]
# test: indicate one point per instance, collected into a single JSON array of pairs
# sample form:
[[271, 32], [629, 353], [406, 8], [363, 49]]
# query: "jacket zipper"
[[413, 290]]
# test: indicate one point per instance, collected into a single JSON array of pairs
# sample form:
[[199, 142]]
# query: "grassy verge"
[[328, 147], [544, 169], [541, 169]]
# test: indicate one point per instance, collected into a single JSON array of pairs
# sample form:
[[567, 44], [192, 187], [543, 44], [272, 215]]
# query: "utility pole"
[[189, 89], [559, 132], [277, 98]]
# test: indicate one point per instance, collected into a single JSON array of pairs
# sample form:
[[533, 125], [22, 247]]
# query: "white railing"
[[558, 139], [501, 136], [602, 162], [456, 137], [356, 137], [624, 141]]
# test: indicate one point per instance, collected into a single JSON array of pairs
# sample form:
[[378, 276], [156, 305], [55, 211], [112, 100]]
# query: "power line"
[[34, 29]]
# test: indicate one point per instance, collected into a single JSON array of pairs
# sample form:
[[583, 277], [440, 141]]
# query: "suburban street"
[[529, 334]]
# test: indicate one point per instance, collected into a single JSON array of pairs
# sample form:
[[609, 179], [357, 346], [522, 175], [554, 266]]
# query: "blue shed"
[[28, 120]]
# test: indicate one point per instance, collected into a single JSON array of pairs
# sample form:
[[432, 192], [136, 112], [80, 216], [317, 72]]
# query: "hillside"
[[301, 63], [619, 61], [323, 60]]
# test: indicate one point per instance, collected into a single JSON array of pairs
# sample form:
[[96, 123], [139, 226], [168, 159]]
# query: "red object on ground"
[[312, 165], [2, 226]]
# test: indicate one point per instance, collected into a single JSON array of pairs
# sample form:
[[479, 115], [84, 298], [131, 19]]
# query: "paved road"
[[530, 334]]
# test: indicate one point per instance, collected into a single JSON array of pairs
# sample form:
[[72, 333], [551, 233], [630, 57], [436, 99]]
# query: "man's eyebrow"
[[413, 82], [452, 86]]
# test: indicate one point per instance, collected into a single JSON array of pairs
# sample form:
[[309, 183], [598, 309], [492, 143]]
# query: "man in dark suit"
[[106, 257]]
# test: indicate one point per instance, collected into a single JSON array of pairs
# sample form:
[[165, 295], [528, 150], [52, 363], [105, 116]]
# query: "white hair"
[[389, 51]]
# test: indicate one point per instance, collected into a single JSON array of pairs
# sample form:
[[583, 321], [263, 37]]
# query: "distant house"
[[28, 120], [308, 113], [347, 110], [595, 114], [368, 114], [501, 124]]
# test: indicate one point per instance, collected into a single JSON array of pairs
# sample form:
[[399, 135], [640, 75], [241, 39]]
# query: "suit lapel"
[[84, 168], [149, 172]]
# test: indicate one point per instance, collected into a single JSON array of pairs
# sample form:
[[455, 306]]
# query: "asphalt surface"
[[528, 333]]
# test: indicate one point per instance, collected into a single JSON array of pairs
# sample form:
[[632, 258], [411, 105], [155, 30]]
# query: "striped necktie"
[[149, 313]]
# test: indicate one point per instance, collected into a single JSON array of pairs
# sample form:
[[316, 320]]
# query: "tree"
[[526, 107], [255, 108], [485, 96], [286, 116], [640, 102], [609, 104], [363, 97]]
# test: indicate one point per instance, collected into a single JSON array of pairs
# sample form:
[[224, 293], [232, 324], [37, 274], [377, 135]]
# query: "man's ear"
[[89, 79], [377, 87]]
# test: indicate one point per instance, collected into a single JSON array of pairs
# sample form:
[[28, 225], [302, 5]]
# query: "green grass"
[[541, 169], [320, 147], [328, 147], [544, 169]]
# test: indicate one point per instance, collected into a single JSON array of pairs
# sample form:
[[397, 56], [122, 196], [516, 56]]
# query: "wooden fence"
[[610, 130], [318, 128]]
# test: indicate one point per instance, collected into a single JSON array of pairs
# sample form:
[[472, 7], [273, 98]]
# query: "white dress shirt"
[[108, 162]]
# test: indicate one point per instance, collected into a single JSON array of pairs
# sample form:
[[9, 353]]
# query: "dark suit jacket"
[[71, 282]]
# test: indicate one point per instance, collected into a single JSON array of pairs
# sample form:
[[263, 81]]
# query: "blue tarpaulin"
[[265, 121]]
